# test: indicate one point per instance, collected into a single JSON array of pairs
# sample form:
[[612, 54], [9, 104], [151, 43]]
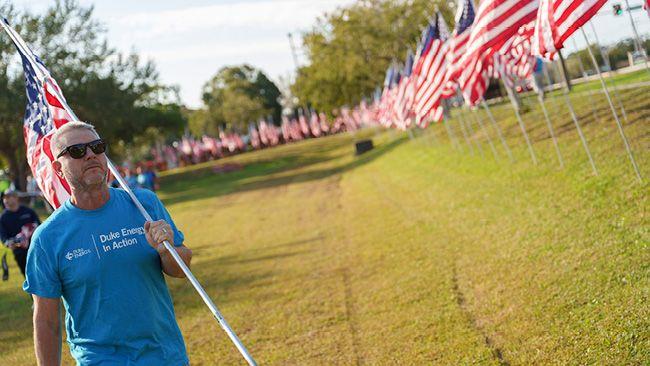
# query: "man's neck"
[[90, 199]]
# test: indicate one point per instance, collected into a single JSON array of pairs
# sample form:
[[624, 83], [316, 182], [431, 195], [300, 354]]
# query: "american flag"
[[314, 124], [324, 126], [45, 112], [405, 94], [458, 44], [391, 101], [517, 53], [557, 20], [286, 129], [304, 126], [383, 110], [428, 90], [254, 136], [497, 21]]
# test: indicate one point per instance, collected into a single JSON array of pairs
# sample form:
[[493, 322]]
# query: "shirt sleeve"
[[41, 277]]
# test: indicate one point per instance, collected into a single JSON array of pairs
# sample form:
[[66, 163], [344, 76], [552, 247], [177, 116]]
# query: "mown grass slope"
[[418, 252]]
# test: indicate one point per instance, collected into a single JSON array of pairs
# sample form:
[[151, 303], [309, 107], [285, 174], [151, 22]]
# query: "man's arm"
[[169, 265], [156, 233], [47, 331]]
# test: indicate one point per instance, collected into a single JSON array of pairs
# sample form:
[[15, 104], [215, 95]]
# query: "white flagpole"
[[464, 131], [18, 41], [611, 80], [540, 98], [433, 137], [611, 106], [574, 118], [485, 132], [470, 130], [451, 135], [496, 127], [513, 99]]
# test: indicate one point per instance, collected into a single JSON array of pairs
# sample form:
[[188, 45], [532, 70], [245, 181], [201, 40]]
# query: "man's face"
[[10, 202], [86, 172]]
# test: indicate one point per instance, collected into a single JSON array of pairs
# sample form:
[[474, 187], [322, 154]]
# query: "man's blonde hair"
[[55, 141]]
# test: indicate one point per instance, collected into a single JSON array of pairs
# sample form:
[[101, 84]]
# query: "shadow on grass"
[[186, 188], [222, 276]]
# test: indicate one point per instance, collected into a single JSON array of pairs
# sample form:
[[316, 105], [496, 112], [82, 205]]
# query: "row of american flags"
[[261, 135], [500, 39]]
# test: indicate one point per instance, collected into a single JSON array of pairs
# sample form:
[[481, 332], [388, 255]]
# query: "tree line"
[[119, 93]]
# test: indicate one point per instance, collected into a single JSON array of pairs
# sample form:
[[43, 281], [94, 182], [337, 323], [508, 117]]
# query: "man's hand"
[[157, 232]]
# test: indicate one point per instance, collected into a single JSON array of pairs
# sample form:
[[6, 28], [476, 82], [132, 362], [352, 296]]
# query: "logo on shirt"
[[76, 253]]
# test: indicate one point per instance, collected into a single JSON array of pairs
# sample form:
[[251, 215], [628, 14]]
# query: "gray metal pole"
[[582, 136], [451, 135], [472, 135], [464, 131], [637, 41], [611, 106], [498, 129], [433, 137], [614, 88], [485, 132], [584, 76], [567, 101], [604, 56], [522, 126], [550, 130], [638, 45]]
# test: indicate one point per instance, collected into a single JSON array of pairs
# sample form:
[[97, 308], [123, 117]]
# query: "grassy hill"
[[417, 252]]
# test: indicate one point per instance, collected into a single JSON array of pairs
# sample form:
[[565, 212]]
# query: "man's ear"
[[56, 165]]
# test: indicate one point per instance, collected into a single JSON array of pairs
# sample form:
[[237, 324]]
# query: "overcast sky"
[[189, 40]]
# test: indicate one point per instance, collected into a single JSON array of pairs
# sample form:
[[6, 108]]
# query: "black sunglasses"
[[78, 151]]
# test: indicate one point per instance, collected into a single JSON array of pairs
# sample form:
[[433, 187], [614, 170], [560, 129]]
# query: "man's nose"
[[89, 153]]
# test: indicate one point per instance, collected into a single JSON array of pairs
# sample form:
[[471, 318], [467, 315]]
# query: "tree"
[[350, 49], [119, 94], [235, 96]]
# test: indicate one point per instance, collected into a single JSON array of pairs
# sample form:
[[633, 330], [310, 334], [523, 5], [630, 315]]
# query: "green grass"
[[416, 253]]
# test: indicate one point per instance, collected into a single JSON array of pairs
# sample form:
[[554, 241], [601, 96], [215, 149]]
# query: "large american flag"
[[428, 90], [458, 45], [557, 20], [497, 21], [44, 113]]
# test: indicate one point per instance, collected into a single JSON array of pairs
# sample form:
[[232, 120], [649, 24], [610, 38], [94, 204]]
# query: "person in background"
[[17, 223], [131, 179], [147, 178]]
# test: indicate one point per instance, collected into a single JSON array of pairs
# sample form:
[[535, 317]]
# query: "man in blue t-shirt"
[[98, 255]]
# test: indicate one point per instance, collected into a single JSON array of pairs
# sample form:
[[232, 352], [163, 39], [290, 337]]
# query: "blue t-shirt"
[[118, 308]]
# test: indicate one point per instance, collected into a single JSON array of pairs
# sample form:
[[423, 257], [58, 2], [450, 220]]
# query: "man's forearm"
[[169, 265], [47, 342]]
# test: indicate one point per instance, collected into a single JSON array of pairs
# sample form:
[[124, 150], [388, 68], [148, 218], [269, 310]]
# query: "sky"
[[190, 40]]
